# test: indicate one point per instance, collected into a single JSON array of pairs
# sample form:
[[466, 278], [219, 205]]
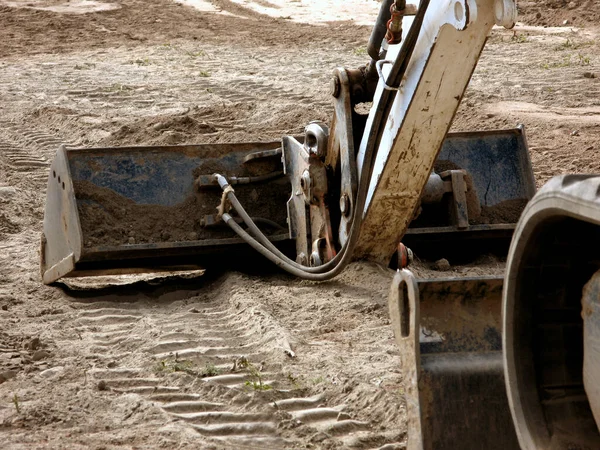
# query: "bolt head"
[[345, 205], [305, 180]]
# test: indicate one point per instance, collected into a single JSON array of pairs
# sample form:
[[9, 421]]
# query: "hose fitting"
[[394, 25]]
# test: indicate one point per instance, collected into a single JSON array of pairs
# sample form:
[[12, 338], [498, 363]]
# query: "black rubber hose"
[[257, 233], [301, 273], [262, 239], [379, 30]]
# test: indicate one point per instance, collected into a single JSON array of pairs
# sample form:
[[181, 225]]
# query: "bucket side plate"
[[61, 241], [448, 332]]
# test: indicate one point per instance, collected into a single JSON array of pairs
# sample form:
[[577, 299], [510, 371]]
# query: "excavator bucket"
[[449, 335], [500, 182], [152, 209]]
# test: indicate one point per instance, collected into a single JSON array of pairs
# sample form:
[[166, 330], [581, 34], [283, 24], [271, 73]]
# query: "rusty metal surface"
[[459, 210], [341, 155], [394, 26], [448, 332]]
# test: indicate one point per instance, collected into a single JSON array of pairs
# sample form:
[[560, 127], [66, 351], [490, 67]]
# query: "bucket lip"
[[472, 228], [519, 129], [102, 253], [178, 147], [496, 280]]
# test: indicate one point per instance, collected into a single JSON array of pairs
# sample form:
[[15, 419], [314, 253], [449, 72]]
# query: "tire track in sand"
[[213, 362]]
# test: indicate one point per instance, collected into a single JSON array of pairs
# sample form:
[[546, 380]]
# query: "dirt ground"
[[228, 360]]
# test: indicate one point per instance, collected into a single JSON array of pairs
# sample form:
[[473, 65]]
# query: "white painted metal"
[[449, 45]]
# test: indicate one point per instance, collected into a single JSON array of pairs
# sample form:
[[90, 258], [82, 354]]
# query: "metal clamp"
[[378, 66]]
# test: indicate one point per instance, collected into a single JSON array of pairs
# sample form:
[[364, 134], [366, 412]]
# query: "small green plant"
[[258, 385], [186, 366], [210, 370], [565, 62], [15, 400], [142, 61], [568, 61], [360, 51], [119, 87], [196, 54], [256, 380], [318, 380], [84, 66], [517, 38], [583, 60], [204, 73], [567, 45], [294, 381], [166, 366], [572, 45]]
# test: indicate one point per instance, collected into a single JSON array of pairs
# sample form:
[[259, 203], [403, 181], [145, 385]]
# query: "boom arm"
[[397, 144], [450, 43]]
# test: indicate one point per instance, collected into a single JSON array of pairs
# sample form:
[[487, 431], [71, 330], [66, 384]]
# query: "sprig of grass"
[[256, 380], [568, 61], [15, 400], [517, 38], [572, 45], [186, 366], [210, 370]]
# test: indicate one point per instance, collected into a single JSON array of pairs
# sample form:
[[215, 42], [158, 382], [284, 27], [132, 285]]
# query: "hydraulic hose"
[[301, 273], [333, 267], [379, 30], [256, 232]]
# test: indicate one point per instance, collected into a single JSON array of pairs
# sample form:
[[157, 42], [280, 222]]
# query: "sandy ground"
[[227, 360]]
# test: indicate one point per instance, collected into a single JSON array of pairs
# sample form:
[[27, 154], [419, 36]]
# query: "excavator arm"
[[353, 189], [380, 166]]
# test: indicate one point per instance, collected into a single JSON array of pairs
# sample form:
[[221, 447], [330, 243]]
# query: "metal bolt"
[[316, 136], [305, 181], [335, 86], [345, 205], [306, 185]]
